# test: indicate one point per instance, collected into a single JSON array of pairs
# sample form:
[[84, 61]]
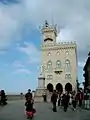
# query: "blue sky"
[[20, 38]]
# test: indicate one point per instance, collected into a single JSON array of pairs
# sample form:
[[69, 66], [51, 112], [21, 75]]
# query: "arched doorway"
[[50, 87], [68, 87], [59, 87]]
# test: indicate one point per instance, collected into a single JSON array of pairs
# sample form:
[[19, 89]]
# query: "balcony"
[[58, 70]]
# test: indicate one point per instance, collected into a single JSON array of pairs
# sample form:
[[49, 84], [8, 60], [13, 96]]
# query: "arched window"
[[67, 66], [49, 77], [49, 65], [58, 64]]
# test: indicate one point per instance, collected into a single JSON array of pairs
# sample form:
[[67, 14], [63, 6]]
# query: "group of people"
[[3, 98], [68, 98], [63, 99]]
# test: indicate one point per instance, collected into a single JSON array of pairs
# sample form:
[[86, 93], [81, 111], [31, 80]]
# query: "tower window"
[[68, 76], [58, 64], [49, 65], [67, 66], [49, 77]]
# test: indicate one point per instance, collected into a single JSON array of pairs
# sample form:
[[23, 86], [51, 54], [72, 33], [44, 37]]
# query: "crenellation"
[[60, 44]]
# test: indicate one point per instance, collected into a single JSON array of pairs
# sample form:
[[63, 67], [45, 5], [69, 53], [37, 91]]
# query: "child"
[[29, 106]]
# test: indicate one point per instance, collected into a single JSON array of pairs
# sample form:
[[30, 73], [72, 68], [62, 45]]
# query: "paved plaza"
[[15, 111]]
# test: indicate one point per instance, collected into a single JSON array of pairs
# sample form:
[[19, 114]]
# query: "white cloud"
[[11, 20], [72, 16], [22, 71], [7, 28], [2, 52], [31, 51], [18, 64], [65, 35], [20, 68], [81, 64]]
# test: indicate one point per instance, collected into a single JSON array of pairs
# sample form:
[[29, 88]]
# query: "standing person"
[[29, 101], [3, 97], [61, 99], [74, 100], [44, 97], [59, 94], [66, 98], [86, 99], [80, 98], [0, 97], [29, 107], [54, 100], [28, 95], [70, 100]]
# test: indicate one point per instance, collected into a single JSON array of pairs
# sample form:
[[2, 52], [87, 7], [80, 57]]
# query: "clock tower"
[[49, 33], [59, 64]]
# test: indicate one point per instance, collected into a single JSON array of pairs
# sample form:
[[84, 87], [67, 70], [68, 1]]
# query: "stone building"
[[87, 73], [59, 61]]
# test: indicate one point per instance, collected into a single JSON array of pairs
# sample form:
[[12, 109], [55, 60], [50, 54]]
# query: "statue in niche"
[[42, 68]]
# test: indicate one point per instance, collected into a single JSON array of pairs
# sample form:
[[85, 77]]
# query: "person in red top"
[[80, 96]]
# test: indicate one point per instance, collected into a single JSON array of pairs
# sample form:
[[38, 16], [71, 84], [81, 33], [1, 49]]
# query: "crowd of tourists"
[[73, 99], [63, 100]]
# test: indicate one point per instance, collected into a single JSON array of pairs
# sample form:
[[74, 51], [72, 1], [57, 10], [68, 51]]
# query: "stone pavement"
[[15, 111]]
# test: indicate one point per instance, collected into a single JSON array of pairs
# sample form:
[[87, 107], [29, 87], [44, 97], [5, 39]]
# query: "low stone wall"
[[19, 97], [38, 99], [15, 97]]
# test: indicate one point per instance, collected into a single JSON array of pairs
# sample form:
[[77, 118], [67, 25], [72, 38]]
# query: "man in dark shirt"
[[28, 95], [66, 98], [28, 103], [54, 100], [3, 97]]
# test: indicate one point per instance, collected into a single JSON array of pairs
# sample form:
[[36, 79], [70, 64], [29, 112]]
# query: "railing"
[[15, 97]]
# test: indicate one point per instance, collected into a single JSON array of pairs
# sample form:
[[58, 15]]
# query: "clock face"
[[48, 39]]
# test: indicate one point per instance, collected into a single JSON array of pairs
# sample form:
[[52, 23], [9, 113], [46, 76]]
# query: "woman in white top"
[[70, 100]]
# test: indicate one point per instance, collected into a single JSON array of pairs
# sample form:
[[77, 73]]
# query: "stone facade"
[[59, 60]]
